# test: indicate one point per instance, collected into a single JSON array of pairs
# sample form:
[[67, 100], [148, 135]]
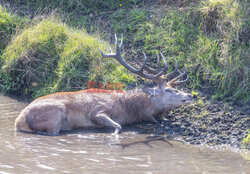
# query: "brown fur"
[[84, 109]]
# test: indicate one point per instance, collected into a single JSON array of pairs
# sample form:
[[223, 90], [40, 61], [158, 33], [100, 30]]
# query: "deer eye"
[[168, 90]]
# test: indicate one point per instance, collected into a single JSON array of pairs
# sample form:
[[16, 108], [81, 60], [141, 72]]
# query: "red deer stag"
[[82, 109]]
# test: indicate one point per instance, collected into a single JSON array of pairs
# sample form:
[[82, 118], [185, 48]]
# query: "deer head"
[[163, 95]]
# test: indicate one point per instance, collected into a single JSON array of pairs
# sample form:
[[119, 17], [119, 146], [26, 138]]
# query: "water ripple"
[[45, 167], [90, 152]]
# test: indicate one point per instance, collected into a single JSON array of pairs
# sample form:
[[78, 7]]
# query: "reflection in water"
[[100, 152], [146, 141]]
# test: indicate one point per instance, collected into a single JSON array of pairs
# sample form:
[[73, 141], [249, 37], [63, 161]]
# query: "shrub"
[[211, 40], [50, 57], [8, 26], [228, 21], [210, 37]]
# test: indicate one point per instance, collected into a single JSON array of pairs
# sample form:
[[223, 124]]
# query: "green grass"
[[76, 12], [209, 36], [210, 39], [50, 57], [8, 26], [128, 22], [230, 25], [246, 141], [75, 6]]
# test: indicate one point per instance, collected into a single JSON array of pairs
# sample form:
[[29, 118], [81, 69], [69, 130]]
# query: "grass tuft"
[[246, 141], [210, 36], [8, 26], [50, 57]]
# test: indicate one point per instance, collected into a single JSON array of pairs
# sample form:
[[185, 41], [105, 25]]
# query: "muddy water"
[[100, 152]]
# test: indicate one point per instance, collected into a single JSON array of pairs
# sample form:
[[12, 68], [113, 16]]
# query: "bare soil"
[[205, 122]]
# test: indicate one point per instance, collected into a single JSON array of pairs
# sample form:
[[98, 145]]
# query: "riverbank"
[[100, 152], [205, 122], [45, 50]]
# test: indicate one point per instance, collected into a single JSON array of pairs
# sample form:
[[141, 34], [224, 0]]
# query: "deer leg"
[[105, 120], [49, 121], [152, 119], [53, 131], [54, 125]]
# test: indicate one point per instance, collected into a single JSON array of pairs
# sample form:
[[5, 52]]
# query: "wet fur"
[[71, 110], [84, 109]]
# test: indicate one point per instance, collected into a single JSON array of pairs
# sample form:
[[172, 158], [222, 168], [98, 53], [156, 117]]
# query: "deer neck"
[[137, 105], [159, 105]]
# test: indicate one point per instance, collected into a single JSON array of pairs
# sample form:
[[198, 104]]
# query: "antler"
[[175, 82], [157, 75], [152, 70], [139, 72]]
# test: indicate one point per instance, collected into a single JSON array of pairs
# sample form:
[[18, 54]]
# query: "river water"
[[96, 152]]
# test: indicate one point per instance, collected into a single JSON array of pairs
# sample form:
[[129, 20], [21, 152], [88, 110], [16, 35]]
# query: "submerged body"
[[83, 109]]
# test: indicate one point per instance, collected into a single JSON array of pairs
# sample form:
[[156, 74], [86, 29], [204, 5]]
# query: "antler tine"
[[151, 77], [173, 81], [116, 40], [165, 63], [121, 44], [179, 82], [158, 62], [157, 73], [172, 73], [119, 58], [144, 62], [152, 70], [105, 55], [118, 48]]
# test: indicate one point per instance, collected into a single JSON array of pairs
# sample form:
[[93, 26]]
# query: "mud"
[[205, 122]]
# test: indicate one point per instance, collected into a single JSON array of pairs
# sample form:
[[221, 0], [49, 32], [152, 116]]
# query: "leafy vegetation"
[[209, 36], [50, 57], [246, 141], [76, 6], [8, 25], [210, 39], [228, 21]]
